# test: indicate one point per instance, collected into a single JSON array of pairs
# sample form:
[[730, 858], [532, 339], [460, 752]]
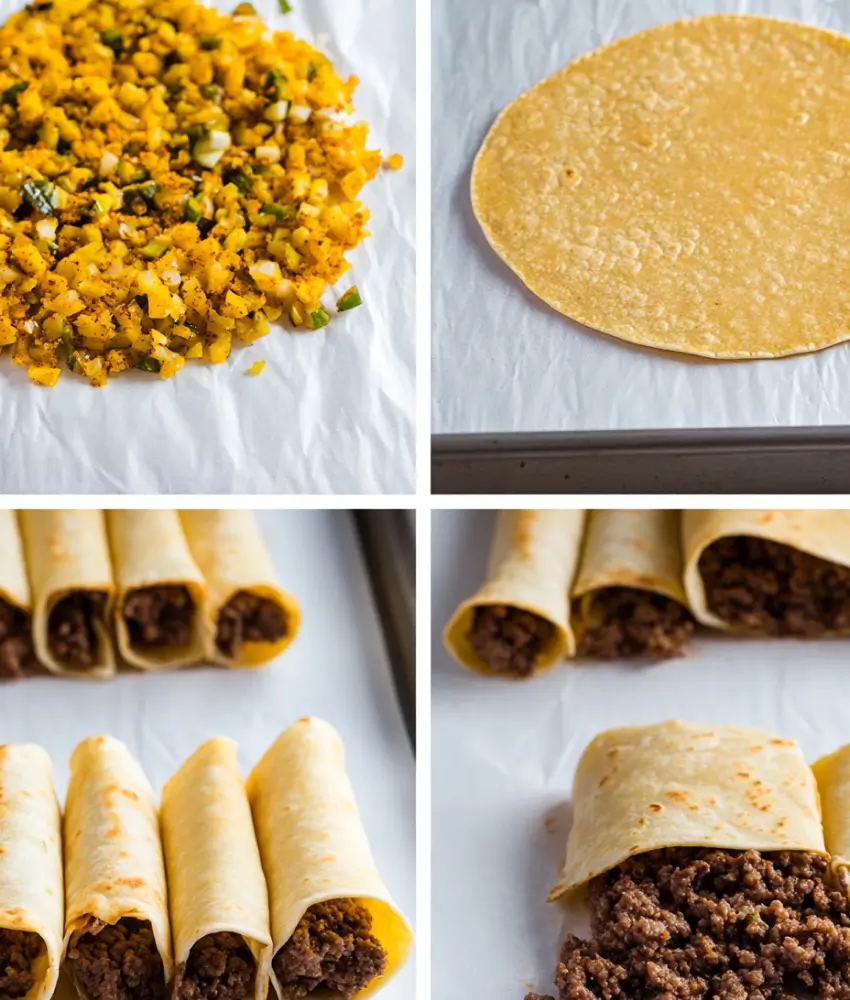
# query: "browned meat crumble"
[[160, 616], [248, 617], [71, 628], [117, 961], [220, 967], [636, 623], [509, 640], [16, 652]]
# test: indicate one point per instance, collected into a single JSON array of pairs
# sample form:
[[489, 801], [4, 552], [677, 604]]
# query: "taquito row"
[[614, 584], [230, 890], [82, 590]]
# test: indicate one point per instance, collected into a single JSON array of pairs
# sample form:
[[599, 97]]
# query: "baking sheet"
[[337, 669], [504, 755], [504, 361], [333, 412]]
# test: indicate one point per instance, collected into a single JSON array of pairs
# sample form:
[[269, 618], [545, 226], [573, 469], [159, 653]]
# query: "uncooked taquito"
[[628, 597], [159, 611], [769, 572], [659, 188], [71, 579], [251, 619], [713, 824], [336, 931], [117, 936], [518, 622], [31, 898], [16, 649], [217, 891]]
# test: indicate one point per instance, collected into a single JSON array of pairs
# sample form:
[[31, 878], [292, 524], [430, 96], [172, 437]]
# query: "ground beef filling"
[[16, 653], [765, 587], [509, 640], [220, 967], [117, 961], [332, 947], [636, 623], [687, 924], [248, 617], [18, 953], [159, 616], [71, 632]]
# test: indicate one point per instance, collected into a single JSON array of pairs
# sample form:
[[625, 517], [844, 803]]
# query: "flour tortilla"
[[66, 552], [684, 188], [833, 777], [640, 549], [31, 857], [312, 842], [232, 554], [215, 881], [113, 854], [684, 784], [149, 549], [14, 585], [822, 533], [532, 564]]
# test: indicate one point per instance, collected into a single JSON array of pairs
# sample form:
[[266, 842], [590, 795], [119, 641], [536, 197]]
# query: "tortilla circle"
[[684, 188]]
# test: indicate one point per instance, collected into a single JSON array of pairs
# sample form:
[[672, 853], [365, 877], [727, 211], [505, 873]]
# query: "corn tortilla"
[[683, 188]]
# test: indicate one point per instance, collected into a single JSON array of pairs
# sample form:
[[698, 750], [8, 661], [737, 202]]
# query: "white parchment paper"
[[337, 668], [504, 754], [503, 360], [333, 412]]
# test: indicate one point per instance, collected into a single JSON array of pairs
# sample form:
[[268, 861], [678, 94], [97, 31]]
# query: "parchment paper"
[[504, 361], [504, 755], [337, 669], [333, 412]]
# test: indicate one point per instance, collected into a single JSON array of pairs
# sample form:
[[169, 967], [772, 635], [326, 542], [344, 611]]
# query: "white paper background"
[[337, 669], [504, 755], [333, 412], [504, 361]]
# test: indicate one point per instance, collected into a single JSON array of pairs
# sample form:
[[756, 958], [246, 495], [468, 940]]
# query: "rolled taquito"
[[629, 597], [217, 891], [16, 649], [70, 574], [117, 935], [518, 622], [769, 572], [832, 774], [251, 619], [335, 929], [161, 595], [31, 898]]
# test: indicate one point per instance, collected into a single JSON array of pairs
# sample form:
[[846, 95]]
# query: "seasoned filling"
[[248, 617], [220, 967], [117, 961], [636, 623], [16, 654], [691, 923], [509, 640], [332, 947], [71, 632], [769, 588], [18, 953], [160, 616]]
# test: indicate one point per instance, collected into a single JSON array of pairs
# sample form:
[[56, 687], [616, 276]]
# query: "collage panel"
[[640, 753], [227, 798]]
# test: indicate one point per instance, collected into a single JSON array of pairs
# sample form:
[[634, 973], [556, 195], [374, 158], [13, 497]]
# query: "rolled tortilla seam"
[[685, 784], [215, 880], [31, 894], [231, 552], [532, 564], [14, 589], [67, 558], [635, 549], [832, 773], [821, 533], [313, 845], [149, 552], [114, 868]]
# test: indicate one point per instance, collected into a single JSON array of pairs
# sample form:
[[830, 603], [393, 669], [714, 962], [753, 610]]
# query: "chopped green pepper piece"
[[10, 96], [120, 342], [114, 40], [278, 211], [210, 42], [194, 210], [240, 180], [279, 84], [155, 249], [41, 195], [285, 7], [139, 199], [149, 365], [73, 359], [351, 300], [212, 92], [311, 72], [319, 318]]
